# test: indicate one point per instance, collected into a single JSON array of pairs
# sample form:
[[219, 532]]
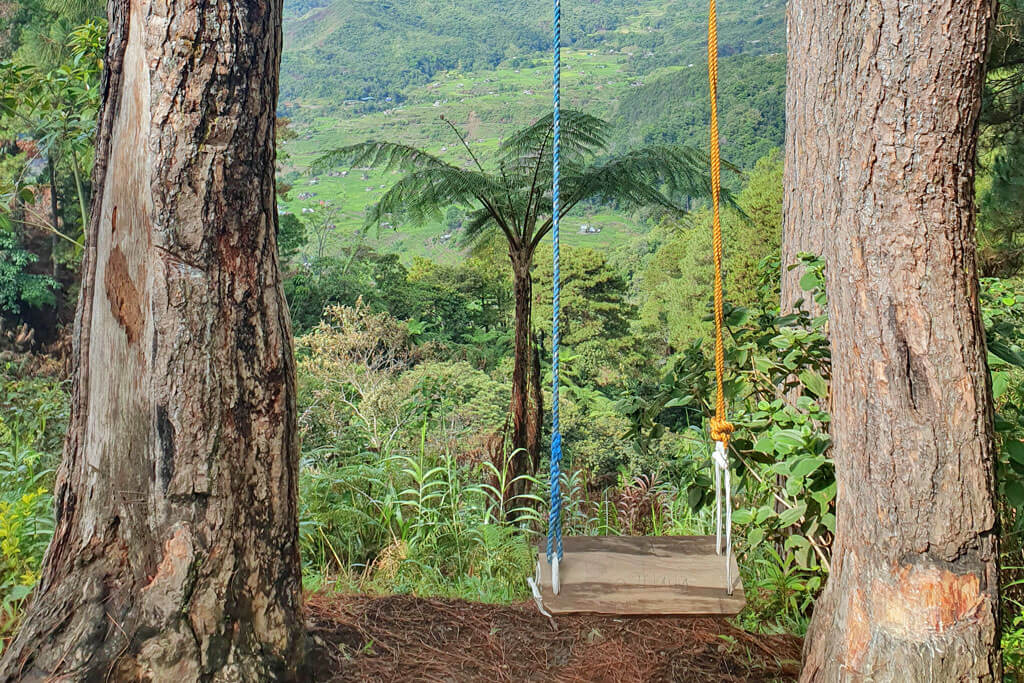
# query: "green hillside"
[[354, 49], [354, 71], [675, 108], [362, 48]]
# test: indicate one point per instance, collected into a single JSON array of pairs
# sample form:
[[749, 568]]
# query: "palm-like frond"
[[377, 154], [478, 226], [516, 196], [423, 194], [649, 176], [581, 135]]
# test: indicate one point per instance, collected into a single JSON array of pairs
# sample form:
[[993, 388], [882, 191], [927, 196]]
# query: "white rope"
[[538, 597], [556, 584], [723, 477]]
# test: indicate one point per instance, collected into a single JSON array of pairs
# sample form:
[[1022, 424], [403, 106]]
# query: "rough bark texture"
[[175, 556], [804, 203], [883, 109], [522, 458], [535, 427]]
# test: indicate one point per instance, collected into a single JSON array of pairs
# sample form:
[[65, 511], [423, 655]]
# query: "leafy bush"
[[33, 415], [20, 289]]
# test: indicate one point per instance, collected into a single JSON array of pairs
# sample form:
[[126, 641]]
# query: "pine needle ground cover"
[[403, 638]]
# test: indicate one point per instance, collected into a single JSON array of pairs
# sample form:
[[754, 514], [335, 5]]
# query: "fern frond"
[[387, 156]]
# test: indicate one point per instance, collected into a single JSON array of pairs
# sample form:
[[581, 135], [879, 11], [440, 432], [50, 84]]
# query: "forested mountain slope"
[[353, 70], [352, 49], [674, 108]]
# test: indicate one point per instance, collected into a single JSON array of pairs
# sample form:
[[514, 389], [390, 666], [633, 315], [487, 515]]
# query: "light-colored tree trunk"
[[883, 106], [175, 556]]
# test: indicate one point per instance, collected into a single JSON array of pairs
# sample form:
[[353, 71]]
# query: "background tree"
[[512, 198], [681, 261], [175, 554], [291, 237], [883, 114], [1001, 185]]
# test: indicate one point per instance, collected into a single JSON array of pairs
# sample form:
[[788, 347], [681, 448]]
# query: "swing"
[[668, 575]]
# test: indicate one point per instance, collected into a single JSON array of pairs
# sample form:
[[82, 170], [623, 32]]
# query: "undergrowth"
[[399, 492]]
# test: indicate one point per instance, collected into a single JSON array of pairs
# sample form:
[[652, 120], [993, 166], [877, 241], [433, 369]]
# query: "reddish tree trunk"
[[175, 556], [883, 111]]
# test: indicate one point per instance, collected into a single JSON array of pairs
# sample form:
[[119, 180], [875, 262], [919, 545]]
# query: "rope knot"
[[721, 430]]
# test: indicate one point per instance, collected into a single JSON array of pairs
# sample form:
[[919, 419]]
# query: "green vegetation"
[[674, 108], [508, 200], [370, 51], [629, 66], [47, 119], [405, 337]]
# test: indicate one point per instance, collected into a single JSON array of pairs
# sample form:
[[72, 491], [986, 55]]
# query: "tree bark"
[[522, 288], [535, 423], [883, 105], [807, 157], [175, 556]]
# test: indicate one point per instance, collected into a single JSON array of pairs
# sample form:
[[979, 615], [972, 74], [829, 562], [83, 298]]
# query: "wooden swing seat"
[[637, 575]]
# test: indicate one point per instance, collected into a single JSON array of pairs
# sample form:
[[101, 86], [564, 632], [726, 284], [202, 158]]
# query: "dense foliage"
[[352, 50], [674, 108], [363, 49], [406, 362]]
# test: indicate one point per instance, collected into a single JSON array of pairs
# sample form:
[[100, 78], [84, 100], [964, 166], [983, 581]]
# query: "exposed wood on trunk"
[[883, 110], [175, 556]]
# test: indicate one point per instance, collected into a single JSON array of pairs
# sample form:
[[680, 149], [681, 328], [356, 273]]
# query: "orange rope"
[[720, 426]]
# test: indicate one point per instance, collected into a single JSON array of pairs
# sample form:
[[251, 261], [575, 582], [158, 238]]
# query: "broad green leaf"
[[742, 516], [796, 541], [1000, 381], [788, 438], [826, 495], [738, 317], [17, 593], [1015, 449], [809, 281], [1015, 493], [792, 515], [807, 465], [814, 382]]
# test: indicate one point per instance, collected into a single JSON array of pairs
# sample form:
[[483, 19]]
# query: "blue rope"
[[555, 514]]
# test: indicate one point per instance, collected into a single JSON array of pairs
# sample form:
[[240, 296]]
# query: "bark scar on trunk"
[[169, 591], [123, 295], [926, 601]]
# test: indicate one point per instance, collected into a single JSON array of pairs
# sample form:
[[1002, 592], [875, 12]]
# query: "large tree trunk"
[[808, 158], [884, 107], [175, 556]]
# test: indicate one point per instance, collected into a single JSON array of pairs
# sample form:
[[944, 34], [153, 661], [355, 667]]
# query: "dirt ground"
[[403, 638]]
